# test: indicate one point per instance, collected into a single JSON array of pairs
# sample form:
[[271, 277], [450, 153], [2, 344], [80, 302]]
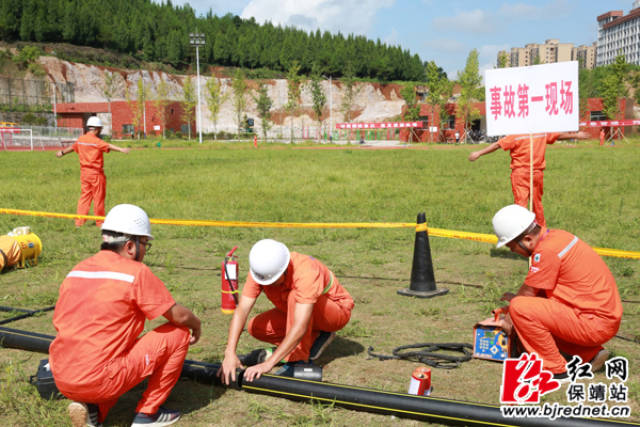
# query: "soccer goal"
[[16, 139], [42, 138]]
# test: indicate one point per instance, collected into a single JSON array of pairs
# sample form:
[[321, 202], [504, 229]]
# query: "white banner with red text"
[[539, 98]]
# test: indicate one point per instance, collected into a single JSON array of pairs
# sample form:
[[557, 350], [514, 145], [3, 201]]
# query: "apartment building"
[[548, 52], [619, 34]]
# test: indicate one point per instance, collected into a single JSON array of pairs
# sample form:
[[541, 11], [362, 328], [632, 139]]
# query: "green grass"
[[591, 191]]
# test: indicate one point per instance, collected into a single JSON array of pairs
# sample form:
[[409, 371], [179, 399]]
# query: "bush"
[[27, 56]]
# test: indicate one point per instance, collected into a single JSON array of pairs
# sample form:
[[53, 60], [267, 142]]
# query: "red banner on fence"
[[601, 123], [382, 125]]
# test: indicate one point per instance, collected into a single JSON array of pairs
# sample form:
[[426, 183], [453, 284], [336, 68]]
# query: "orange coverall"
[[580, 309], [93, 183], [307, 281], [518, 146], [97, 356]]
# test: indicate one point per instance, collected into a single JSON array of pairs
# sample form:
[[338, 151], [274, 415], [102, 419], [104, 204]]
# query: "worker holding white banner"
[[519, 148], [535, 106]]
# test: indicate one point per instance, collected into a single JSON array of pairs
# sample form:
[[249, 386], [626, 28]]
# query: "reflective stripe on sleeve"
[[569, 246]]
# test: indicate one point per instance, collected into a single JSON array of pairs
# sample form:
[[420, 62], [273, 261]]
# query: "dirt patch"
[[387, 90]]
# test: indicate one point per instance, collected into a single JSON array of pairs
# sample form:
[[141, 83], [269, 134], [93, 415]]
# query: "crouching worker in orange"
[[569, 302], [93, 183], [310, 306], [103, 303]]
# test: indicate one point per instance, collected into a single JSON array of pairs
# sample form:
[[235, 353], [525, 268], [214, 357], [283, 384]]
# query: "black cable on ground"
[[429, 354]]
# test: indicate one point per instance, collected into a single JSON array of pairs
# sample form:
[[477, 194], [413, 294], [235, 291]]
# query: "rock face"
[[372, 102]]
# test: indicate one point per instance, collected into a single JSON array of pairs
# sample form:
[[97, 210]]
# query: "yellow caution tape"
[[438, 232], [421, 227]]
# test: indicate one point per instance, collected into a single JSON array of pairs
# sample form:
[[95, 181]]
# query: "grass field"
[[590, 190]]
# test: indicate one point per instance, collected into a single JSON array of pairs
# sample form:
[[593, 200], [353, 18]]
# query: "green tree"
[[189, 102], [263, 105], [140, 111], [135, 106], [613, 86], [108, 90], [502, 59], [408, 93], [215, 99], [161, 102], [349, 94], [294, 81], [470, 90], [317, 95], [439, 91], [239, 88]]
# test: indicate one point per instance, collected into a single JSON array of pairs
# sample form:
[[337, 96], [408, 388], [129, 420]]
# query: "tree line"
[[159, 32]]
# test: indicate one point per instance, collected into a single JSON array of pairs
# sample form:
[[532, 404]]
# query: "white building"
[[619, 34]]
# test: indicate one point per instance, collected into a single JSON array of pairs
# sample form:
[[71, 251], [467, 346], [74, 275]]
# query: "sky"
[[439, 30]]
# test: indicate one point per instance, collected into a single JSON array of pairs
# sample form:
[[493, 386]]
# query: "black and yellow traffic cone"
[[423, 283]]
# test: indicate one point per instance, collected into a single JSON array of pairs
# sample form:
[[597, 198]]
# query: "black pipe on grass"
[[389, 403], [24, 340], [358, 398], [27, 313]]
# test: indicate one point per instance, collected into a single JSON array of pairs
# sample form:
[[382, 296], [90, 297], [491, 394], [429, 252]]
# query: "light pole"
[[197, 40]]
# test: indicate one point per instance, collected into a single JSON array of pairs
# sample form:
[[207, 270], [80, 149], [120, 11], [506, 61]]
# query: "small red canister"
[[420, 381]]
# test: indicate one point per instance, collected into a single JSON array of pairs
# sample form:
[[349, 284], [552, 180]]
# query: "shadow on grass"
[[181, 267], [187, 396], [395, 279], [340, 347], [501, 253]]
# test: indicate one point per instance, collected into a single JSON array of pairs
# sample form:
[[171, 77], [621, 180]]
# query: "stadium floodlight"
[[197, 40]]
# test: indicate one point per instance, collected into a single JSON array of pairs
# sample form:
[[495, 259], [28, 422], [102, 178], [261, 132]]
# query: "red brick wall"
[[75, 114]]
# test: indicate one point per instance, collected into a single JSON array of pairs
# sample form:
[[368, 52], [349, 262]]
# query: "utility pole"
[[197, 40]]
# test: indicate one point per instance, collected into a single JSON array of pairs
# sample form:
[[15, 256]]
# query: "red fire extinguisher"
[[229, 282]]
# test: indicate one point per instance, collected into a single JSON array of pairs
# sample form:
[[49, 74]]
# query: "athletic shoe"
[[83, 414], [163, 417], [320, 344], [562, 377], [256, 357], [597, 363]]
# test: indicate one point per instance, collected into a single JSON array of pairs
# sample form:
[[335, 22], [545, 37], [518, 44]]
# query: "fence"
[[314, 133], [37, 138]]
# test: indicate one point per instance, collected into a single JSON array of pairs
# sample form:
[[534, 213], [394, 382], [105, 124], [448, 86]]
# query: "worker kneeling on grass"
[[310, 305], [569, 302], [97, 354]]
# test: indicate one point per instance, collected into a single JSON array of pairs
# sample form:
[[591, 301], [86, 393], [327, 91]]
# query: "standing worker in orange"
[[518, 146], [98, 353], [569, 301], [93, 183], [310, 306]]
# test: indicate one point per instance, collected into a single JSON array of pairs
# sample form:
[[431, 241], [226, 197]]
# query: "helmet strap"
[[138, 253]]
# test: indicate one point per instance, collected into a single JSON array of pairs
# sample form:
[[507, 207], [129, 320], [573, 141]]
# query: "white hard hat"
[[510, 221], [94, 122], [128, 219], [268, 259]]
